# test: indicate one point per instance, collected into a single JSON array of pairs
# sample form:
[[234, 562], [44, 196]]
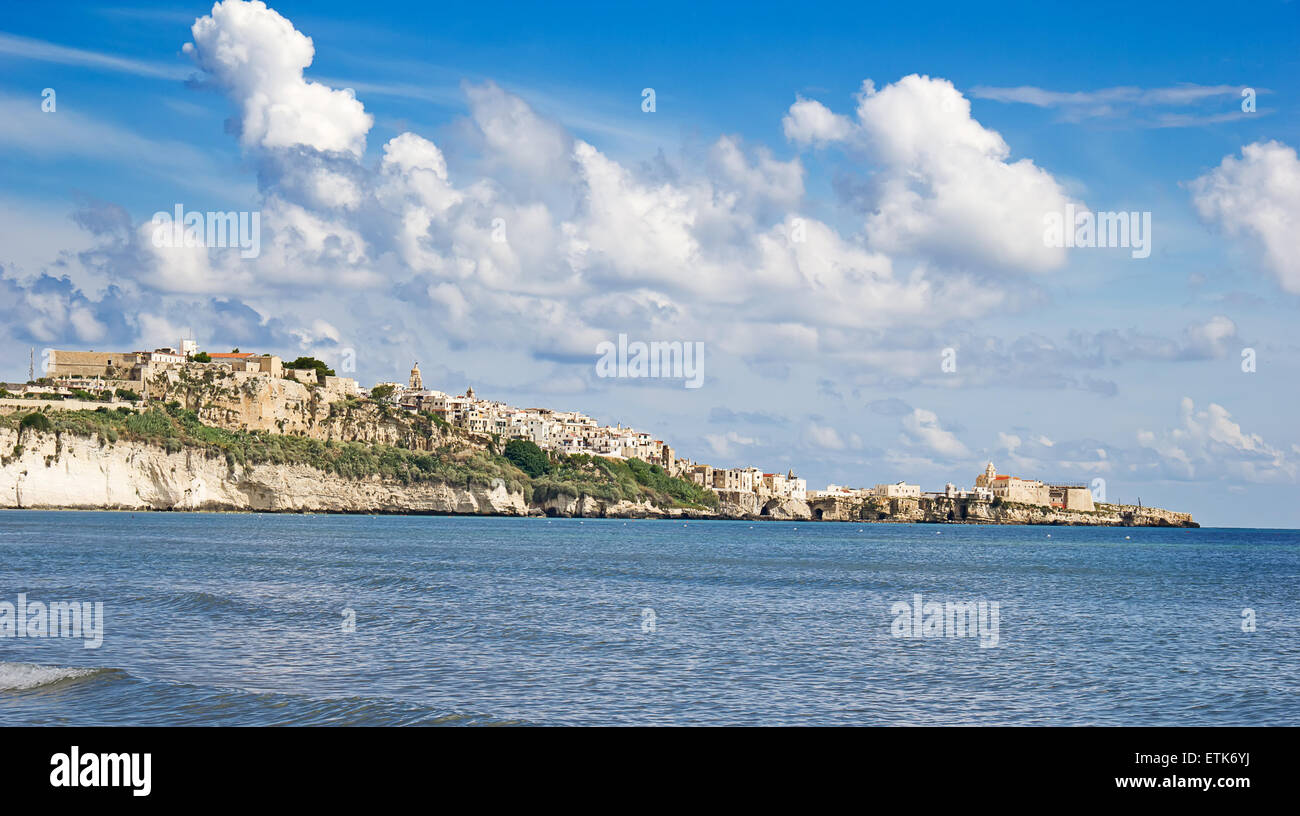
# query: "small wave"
[[390, 580], [130, 700], [205, 602], [238, 707], [18, 676]]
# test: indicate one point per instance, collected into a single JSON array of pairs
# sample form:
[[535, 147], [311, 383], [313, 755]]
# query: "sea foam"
[[17, 676]]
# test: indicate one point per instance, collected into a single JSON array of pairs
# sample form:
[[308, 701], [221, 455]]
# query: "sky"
[[847, 205]]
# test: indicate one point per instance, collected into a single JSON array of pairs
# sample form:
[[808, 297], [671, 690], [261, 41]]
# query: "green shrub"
[[150, 425], [37, 422], [528, 457], [301, 363]]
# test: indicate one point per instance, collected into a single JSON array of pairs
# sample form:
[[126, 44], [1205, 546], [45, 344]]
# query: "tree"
[[201, 357], [381, 392], [528, 457], [322, 370], [37, 422]]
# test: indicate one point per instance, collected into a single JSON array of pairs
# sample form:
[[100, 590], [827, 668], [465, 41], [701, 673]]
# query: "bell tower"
[[417, 384], [986, 478]]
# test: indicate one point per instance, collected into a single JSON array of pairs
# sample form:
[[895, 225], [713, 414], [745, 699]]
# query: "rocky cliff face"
[[739, 504], [592, 507], [49, 471], [67, 472], [239, 401], [966, 511]]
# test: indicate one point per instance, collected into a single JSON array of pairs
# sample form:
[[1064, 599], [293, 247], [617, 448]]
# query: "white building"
[[898, 490]]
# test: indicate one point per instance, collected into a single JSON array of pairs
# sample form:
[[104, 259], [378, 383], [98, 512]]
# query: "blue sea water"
[[231, 619]]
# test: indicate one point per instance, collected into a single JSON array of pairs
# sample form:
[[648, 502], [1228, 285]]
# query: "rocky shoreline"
[[52, 472]]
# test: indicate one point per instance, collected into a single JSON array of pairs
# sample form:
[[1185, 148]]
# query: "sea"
[[265, 619]]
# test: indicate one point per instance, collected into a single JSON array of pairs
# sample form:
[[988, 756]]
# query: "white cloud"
[[49, 316], [515, 138], [809, 122], [824, 436], [154, 330], [922, 429], [765, 181], [319, 331], [1122, 102], [1209, 339], [946, 188], [43, 51], [1042, 457], [726, 445], [258, 57], [1208, 443], [1257, 197]]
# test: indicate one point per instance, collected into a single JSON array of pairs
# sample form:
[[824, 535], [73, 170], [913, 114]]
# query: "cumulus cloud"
[[1208, 443], [257, 57], [923, 431], [1257, 197], [514, 138], [809, 122], [765, 181], [946, 187], [824, 436]]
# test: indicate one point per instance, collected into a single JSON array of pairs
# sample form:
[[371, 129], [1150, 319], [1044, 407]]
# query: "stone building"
[[1071, 497], [1014, 489], [897, 490]]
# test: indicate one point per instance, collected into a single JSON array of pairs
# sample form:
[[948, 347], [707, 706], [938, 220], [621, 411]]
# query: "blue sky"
[[923, 194]]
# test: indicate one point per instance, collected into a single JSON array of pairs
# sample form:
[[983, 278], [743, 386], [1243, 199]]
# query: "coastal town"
[[263, 392]]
